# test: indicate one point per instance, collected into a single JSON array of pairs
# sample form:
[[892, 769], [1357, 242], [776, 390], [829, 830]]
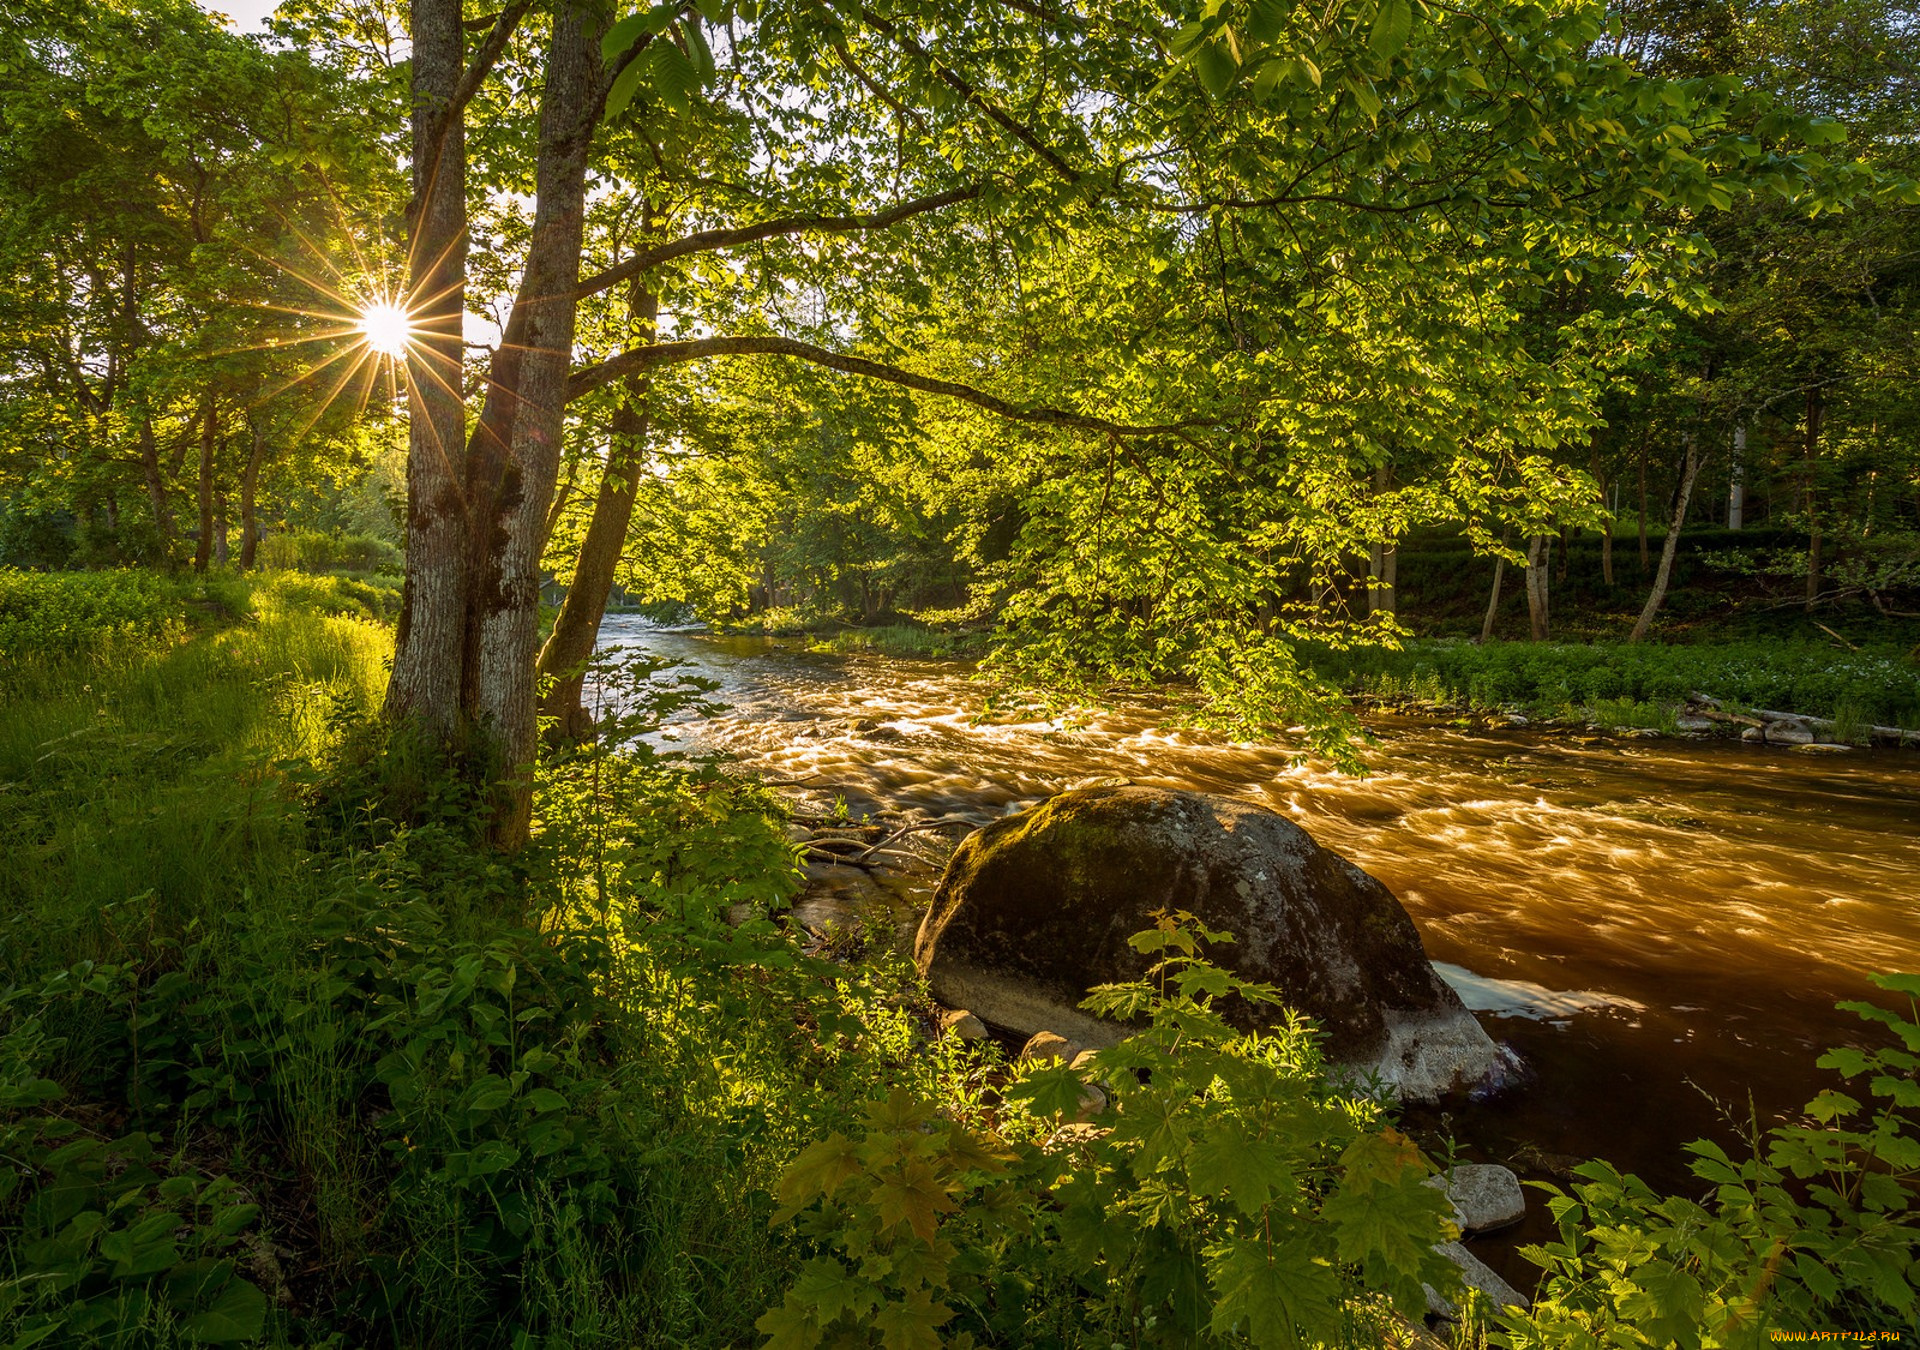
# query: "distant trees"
[[171, 190]]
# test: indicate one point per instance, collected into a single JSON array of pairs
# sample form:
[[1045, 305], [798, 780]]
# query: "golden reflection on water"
[[1723, 895]]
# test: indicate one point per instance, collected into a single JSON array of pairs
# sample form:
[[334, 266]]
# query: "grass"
[[288, 1058], [391, 1088], [1636, 685]]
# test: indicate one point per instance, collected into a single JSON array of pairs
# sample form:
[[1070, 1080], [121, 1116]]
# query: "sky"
[[245, 15]]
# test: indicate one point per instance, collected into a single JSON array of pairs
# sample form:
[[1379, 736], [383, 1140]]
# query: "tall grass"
[[472, 1100], [143, 778], [1877, 685]]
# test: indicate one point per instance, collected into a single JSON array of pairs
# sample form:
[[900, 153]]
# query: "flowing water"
[[1659, 928]]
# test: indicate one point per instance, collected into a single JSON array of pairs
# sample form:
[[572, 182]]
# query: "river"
[[1660, 928]]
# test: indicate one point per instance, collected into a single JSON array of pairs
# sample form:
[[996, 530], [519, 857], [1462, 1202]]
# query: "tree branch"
[[706, 240], [964, 87], [700, 349]]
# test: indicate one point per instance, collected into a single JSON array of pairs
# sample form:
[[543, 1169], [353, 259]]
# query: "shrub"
[[85, 616], [1230, 1194], [312, 551]]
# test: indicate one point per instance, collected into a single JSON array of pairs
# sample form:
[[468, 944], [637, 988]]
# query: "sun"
[[386, 328]]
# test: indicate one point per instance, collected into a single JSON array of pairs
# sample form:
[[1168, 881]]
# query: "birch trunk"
[[1815, 408], [209, 441], [156, 482], [249, 489], [1689, 471], [1493, 601]]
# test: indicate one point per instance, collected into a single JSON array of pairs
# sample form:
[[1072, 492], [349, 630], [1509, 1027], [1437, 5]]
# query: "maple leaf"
[[912, 1323], [1286, 1298], [900, 1111], [819, 1171], [1049, 1091], [914, 1196], [828, 1288], [789, 1326], [1228, 1160]]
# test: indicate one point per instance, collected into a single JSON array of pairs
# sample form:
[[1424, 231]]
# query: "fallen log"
[[1705, 705]]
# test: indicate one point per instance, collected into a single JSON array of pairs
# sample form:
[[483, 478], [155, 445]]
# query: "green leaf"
[[1049, 1091], [239, 1314], [819, 1171], [913, 1323], [789, 1326], [698, 49], [1214, 63], [1267, 18], [1392, 26], [1278, 1296], [829, 1288]]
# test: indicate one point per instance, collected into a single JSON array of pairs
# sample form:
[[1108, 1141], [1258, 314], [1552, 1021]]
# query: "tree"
[[1242, 259], [172, 185]]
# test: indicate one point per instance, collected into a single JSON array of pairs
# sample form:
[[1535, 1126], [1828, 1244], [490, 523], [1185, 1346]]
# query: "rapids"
[[1659, 928]]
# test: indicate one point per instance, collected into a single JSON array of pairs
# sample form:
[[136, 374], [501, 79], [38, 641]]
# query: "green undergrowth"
[[1637, 685], [288, 1057], [904, 640]]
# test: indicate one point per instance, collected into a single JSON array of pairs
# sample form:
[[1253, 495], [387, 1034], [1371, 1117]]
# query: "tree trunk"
[[1606, 551], [1539, 553], [511, 506], [156, 483], [209, 439], [1737, 482], [1816, 407], [249, 487], [577, 629], [1383, 558], [1689, 471], [1645, 436], [429, 644], [1493, 600]]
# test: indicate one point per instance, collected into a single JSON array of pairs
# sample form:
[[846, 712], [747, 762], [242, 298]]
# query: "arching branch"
[[706, 240], [701, 349]]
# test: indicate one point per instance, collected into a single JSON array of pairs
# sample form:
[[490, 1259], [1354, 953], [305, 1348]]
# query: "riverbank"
[[288, 1058]]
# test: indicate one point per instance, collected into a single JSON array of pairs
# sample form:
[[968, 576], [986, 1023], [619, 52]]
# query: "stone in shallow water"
[[1485, 1196], [963, 1024], [1475, 1274], [1047, 1045], [1036, 909]]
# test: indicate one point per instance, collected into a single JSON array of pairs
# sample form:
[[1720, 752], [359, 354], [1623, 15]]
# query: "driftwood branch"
[[1704, 705]]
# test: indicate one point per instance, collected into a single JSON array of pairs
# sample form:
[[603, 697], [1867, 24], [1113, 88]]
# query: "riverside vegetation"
[[287, 1056]]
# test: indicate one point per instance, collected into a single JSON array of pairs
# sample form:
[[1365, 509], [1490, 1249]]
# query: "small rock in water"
[[1518, 720], [1753, 735], [1788, 733], [1821, 748], [1048, 1045], [1475, 1274], [1692, 724], [1485, 1197], [963, 1024]]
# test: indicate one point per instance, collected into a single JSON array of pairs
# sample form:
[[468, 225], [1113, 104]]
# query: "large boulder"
[[1037, 908]]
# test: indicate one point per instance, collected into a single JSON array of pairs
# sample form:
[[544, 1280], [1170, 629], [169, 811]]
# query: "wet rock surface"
[[1036, 909]]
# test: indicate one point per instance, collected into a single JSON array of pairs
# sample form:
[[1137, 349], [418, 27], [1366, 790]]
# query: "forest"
[[545, 544]]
